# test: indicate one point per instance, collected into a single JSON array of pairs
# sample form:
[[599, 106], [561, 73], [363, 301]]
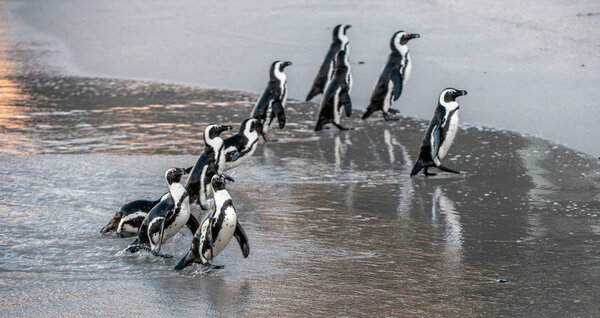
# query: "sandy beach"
[[335, 224]]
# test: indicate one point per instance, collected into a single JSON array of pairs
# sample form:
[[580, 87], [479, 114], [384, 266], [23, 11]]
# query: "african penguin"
[[166, 218], [325, 73], [217, 229], [337, 94], [440, 133], [272, 101], [128, 218], [211, 161], [393, 77], [241, 146]]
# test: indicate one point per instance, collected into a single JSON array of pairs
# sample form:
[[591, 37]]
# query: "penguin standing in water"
[[167, 217], [340, 42], [211, 161], [272, 101], [128, 218], [440, 133], [241, 146], [337, 94], [393, 77], [217, 229]]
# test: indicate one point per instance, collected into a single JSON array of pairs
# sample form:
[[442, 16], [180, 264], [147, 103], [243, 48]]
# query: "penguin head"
[[173, 175], [400, 39], [213, 132], [449, 95], [276, 70], [113, 224], [218, 182], [339, 33], [249, 126]]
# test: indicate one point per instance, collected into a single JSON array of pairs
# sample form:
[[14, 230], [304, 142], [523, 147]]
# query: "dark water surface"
[[336, 226]]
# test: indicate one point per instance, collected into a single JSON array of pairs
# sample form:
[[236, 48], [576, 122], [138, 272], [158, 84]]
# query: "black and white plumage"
[[167, 217], [217, 229], [128, 218], [337, 94], [325, 73], [393, 77], [210, 162], [440, 133], [272, 102], [241, 146]]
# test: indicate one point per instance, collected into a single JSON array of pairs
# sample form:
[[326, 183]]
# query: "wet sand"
[[336, 226], [530, 67]]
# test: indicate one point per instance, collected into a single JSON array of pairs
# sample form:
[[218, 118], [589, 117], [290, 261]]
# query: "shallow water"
[[336, 226]]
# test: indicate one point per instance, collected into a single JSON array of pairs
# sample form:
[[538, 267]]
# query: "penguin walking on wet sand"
[[241, 146], [440, 133], [128, 218], [337, 94], [325, 73], [272, 101], [166, 218], [393, 77], [210, 162], [217, 229]]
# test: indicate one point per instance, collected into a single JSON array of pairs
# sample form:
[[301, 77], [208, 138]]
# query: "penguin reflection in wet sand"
[[217, 229], [337, 94], [166, 218], [393, 77], [128, 218], [272, 101], [440, 133], [340, 42]]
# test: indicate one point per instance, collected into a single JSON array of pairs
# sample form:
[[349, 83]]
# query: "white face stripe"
[[450, 106], [341, 36], [401, 48], [279, 74]]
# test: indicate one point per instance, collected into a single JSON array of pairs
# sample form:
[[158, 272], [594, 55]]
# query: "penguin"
[[241, 146], [325, 73], [440, 133], [393, 77], [217, 229], [128, 218], [210, 162], [337, 94], [166, 218], [272, 101]]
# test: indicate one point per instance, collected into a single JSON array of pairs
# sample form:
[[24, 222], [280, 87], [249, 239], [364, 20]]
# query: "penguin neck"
[[221, 196], [176, 190], [449, 106], [279, 75], [400, 49], [217, 145]]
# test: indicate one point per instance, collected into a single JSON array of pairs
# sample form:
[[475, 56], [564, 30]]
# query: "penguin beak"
[[348, 26], [180, 171], [414, 36], [286, 64], [461, 93], [224, 128], [258, 121], [110, 226]]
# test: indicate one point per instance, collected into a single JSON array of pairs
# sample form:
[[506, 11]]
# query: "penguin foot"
[[446, 169], [212, 266], [155, 253], [393, 111], [387, 117], [268, 140], [340, 127], [427, 173]]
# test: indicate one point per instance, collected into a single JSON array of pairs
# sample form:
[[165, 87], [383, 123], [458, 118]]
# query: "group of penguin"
[[154, 222]]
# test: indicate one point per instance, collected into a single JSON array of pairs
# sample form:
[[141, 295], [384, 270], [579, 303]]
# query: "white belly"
[[225, 234], [452, 129], [387, 101], [407, 69], [180, 220], [336, 109]]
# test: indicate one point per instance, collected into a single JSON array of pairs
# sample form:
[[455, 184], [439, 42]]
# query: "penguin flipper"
[[240, 236], [397, 80], [346, 101], [278, 109], [192, 224]]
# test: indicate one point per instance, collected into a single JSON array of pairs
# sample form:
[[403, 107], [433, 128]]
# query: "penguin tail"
[[314, 91], [418, 166], [187, 260], [370, 110]]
